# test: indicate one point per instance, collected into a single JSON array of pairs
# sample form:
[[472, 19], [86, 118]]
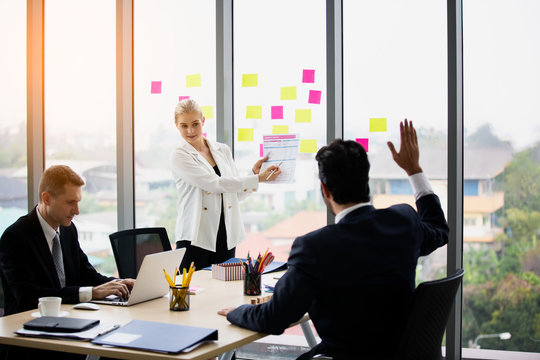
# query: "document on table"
[[282, 150]]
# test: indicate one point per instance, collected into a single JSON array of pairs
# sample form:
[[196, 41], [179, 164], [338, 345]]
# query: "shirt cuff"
[[85, 294], [420, 185]]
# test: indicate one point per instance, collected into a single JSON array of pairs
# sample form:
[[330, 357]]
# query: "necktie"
[[58, 260]]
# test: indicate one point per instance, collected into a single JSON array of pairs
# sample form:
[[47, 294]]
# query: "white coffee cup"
[[49, 305]]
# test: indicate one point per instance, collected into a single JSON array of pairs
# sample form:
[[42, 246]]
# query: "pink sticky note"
[[205, 134], [364, 143], [180, 98], [261, 150], [156, 87], [308, 76], [314, 97], [277, 112]]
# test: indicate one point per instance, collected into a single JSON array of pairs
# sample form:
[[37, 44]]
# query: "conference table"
[[204, 306]]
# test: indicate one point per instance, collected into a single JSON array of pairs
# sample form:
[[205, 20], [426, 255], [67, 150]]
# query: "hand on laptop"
[[120, 288]]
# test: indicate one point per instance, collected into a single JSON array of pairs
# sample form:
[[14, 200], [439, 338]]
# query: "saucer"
[[62, 314]]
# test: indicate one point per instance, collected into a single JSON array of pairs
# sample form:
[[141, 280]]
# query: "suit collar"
[[214, 149], [357, 212]]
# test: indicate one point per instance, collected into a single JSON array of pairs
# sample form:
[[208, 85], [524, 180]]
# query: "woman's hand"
[[270, 173], [257, 167]]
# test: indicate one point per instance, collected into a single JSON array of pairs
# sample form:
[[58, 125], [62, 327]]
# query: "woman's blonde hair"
[[186, 106]]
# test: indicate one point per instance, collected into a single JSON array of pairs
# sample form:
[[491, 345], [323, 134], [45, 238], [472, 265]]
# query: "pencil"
[[272, 172]]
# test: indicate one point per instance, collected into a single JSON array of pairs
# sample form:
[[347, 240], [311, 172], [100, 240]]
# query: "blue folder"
[[273, 266], [156, 336]]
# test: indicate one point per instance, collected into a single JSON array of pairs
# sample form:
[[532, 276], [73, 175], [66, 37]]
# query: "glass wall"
[[395, 67], [13, 173], [174, 58], [501, 291], [80, 113], [280, 90]]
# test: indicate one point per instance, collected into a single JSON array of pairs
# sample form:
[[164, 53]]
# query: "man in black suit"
[[40, 253], [356, 277]]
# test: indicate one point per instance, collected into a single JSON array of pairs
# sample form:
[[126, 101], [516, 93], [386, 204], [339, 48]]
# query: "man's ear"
[[46, 198], [326, 193]]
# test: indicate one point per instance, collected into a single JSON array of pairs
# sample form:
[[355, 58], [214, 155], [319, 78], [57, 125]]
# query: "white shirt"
[[200, 192], [85, 292], [419, 183]]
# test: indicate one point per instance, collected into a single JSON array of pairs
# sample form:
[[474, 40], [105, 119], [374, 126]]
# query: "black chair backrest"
[[428, 316], [131, 246]]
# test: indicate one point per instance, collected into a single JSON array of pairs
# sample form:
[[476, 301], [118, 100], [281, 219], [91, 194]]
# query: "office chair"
[[430, 308], [428, 316], [131, 246]]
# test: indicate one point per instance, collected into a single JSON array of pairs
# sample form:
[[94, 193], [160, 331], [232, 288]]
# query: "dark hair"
[[344, 170]]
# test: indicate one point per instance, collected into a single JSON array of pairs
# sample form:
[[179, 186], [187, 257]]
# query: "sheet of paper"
[[282, 150], [277, 112], [288, 93], [302, 115], [377, 124], [308, 76], [193, 80], [254, 112], [245, 134], [155, 87], [208, 112], [249, 80], [364, 142]]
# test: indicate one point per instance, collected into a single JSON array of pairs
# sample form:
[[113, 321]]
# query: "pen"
[[272, 172], [109, 329]]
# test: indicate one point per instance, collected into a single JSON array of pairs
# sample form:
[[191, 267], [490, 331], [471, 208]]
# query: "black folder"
[[156, 336], [60, 324]]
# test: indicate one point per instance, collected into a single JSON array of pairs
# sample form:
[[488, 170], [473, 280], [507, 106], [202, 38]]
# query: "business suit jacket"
[[199, 195], [356, 274], [27, 269]]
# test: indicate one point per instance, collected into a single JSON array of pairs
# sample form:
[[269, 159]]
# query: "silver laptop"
[[150, 282]]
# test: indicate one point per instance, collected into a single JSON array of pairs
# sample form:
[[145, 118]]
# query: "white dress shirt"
[[85, 292], [419, 183]]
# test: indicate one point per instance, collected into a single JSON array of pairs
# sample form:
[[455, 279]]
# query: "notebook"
[[60, 324], [157, 336], [273, 266], [150, 282]]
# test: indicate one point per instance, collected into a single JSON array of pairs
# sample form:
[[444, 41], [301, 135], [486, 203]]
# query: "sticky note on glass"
[[364, 142], [155, 87], [180, 98], [208, 112], [254, 112], [277, 112], [314, 97], [280, 129], [302, 115], [308, 76], [193, 80], [377, 124], [288, 93], [250, 80], [308, 146], [245, 134]]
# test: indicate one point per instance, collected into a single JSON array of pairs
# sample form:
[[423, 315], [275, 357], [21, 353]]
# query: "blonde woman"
[[209, 223]]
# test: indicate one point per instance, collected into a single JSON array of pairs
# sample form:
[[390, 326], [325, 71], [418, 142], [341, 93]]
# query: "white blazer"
[[199, 195]]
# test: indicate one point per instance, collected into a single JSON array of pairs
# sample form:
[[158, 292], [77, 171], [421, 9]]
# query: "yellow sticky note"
[[250, 80], [308, 146], [208, 112], [280, 129], [302, 115], [254, 112], [193, 80], [245, 134], [377, 124], [288, 93]]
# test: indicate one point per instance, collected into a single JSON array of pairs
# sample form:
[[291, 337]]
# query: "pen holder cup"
[[178, 298], [252, 284]]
